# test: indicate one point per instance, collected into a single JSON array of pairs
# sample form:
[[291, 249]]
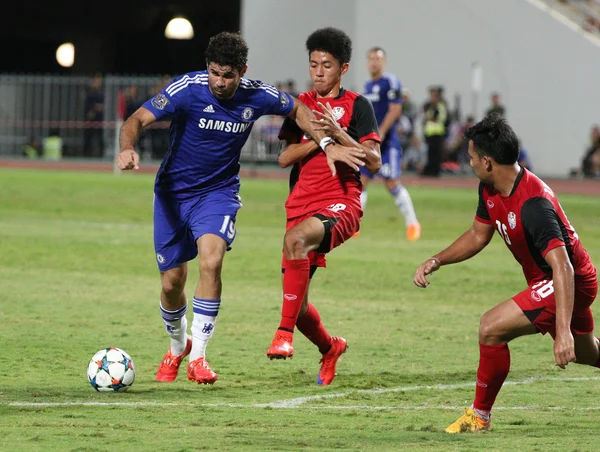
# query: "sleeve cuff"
[[372, 136], [483, 220], [552, 244]]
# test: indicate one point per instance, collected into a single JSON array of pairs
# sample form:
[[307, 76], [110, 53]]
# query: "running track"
[[573, 186]]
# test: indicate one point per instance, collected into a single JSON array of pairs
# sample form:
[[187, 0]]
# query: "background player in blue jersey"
[[384, 92], [196, 188]]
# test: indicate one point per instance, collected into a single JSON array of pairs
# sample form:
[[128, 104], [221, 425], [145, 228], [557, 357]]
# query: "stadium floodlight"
[[179, 28], [65, 54]]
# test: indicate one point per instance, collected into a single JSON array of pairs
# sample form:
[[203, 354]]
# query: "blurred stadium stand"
[[132, 42], [586, 13], [32, 106]]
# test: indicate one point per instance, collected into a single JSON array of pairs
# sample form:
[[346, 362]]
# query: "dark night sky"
[[124, 37]]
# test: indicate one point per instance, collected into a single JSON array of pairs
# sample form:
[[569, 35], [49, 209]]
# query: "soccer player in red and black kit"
[[561, 278], [323, 208]]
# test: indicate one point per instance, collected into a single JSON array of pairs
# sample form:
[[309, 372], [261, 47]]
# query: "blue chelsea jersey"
[[383, 92], [207, 134]]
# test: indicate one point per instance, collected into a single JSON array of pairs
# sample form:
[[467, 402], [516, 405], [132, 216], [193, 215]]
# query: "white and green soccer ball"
[[111, 370]]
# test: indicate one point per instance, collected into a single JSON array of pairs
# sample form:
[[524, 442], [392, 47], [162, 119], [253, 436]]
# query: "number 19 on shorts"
[[228, 227]]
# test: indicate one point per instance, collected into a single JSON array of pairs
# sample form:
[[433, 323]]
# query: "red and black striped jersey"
[[314, 187]]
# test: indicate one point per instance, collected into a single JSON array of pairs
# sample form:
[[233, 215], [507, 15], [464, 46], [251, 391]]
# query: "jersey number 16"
[[503, 231]]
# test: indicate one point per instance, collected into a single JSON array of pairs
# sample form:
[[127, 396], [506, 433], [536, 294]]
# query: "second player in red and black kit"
[[323, 209], [561, 279]]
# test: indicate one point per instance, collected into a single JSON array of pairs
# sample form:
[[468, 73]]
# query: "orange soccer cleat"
[[281, 347], [329, 361], [168, 368], [200, 372], [413, 232], [469, 423]]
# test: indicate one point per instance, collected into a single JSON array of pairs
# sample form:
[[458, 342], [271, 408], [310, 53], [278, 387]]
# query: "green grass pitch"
[[77, 273]]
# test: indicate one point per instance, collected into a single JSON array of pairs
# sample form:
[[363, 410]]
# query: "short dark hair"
[[227, 49], [375, 49], [331, 40], [492, 136]]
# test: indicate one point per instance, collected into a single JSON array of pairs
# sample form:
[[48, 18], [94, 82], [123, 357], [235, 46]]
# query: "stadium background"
[[545, 65]]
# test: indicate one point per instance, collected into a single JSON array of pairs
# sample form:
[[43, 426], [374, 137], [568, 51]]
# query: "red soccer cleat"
[[329, 361], [168, 368], [281, 347], [200, 372]]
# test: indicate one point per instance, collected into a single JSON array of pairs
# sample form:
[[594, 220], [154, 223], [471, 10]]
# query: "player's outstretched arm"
[[463, 248], [563, 279], [130, 132]]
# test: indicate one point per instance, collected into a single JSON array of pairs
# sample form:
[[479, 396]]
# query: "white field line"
[[295, 403], [300, 401]]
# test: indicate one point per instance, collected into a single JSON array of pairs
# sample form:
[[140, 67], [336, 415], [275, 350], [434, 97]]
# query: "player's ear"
[[243, 71], [345, 68], [488, 163]]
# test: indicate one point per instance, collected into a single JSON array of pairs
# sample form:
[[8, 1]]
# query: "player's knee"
[[294, 244], [587, 351], [488, 333], [173, 283], [211, 265]]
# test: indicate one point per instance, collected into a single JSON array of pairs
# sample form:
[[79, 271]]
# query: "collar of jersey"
[[339, 96]]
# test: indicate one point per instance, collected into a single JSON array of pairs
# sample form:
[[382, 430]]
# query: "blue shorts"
[[390, 165], [178, 224]]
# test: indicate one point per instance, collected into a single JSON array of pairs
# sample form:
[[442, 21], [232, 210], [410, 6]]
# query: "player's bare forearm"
[[563, 278], [304, 117], [130, 133], [295, 152], [467, 245], [131, 128]]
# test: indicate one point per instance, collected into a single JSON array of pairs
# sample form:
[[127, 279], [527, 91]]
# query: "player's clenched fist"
[[128, 159], [426, 268]]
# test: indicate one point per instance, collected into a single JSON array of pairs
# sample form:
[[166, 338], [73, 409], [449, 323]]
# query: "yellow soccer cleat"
[[469, 422]]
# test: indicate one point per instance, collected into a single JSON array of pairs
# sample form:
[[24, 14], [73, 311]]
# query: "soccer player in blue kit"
[[384, 92], [196, 189]]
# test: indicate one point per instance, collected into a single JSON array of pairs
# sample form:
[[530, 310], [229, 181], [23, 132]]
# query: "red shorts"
[[341, 222], [539, 305]]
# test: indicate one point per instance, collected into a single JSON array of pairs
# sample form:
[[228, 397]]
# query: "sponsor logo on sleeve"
[[284, 99], [160, 101]]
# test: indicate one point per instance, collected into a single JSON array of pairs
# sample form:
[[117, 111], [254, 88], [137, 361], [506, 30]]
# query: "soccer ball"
[[111, 369]]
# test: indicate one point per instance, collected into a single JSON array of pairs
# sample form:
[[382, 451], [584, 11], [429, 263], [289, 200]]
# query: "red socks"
[[310, 325], [494, 365], [295, 285]]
